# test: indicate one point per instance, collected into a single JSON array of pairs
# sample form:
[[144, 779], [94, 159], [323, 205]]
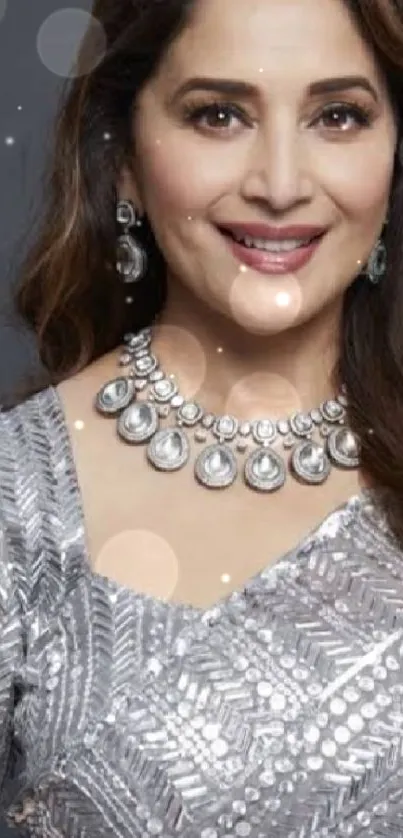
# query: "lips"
[[270, 262], [269, 232]]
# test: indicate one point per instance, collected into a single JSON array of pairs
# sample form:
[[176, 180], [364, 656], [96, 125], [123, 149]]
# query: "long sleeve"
[[11, 662]]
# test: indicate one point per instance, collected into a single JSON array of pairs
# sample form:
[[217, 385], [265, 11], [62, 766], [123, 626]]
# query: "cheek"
[[185, 177], [359, 182]]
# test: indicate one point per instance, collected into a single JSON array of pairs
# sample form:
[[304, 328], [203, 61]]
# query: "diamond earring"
[[132, 259]]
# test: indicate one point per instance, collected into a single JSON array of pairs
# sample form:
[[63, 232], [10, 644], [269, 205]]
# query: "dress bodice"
[[278, 712]]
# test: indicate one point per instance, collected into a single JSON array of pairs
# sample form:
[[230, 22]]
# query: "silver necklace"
[[144, 398]]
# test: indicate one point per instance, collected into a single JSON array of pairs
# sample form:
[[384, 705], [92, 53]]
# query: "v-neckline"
[[352, 504]]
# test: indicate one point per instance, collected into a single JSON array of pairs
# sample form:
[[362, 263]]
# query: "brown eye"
[[215, 115], [337, 116]]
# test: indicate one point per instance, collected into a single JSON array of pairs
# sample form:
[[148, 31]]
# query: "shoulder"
[[38, 500], [28, 433], [24, 429]]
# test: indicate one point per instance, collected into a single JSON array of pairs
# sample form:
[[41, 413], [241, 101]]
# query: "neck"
[[229, 370]]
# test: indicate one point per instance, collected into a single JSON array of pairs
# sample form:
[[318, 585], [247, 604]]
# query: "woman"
[[202, 597]]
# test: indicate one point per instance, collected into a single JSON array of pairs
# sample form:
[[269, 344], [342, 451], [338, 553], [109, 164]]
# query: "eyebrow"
[[245, 90]]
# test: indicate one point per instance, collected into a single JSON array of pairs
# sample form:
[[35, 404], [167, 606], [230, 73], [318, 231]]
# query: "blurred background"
[[38, 44]]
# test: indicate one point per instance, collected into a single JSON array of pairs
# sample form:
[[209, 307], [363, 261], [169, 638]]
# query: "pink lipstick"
[[263, 256]]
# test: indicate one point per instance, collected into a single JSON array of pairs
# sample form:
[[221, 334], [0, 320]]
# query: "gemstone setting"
[[138, 422], [265, 470], [115, 395], [169, 449], [216, 466]]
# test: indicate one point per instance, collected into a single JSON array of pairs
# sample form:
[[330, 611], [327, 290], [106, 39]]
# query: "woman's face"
[[285, 150]]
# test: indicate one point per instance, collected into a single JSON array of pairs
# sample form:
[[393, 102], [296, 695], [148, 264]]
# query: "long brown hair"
[[70, 293]]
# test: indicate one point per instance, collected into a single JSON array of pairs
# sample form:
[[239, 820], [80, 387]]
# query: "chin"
[[265, 308], [262, 328]]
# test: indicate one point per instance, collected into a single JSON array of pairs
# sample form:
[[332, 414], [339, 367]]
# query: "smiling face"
[[279, 153]]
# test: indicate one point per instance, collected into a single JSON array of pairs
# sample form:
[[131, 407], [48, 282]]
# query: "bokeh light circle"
[[141, 560], [59, 39]]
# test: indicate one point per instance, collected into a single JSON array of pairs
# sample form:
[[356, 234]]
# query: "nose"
[[279, 169]]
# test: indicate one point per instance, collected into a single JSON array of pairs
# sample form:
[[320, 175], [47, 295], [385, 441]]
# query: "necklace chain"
[[144, 399]]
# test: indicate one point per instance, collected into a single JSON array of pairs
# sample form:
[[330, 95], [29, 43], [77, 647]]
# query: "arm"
[[11, 660]]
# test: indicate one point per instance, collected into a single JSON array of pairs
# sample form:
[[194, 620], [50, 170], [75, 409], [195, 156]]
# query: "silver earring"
[[376, 268], [132, 258]]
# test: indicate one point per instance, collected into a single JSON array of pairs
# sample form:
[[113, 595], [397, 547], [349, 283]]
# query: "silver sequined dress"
[[277, 713]]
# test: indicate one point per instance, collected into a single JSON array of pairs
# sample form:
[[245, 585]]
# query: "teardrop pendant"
[[265, 470], [310, 463], [344, 448], [138, 423], [216, 466], [169, 449], [115, 395]]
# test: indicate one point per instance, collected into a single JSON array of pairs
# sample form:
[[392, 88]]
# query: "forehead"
[[296, 39]]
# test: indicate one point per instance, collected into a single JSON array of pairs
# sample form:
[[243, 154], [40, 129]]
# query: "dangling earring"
[[377, 264], [132, 259]]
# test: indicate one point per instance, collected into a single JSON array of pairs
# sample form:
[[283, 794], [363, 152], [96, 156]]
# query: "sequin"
[[253, 675], [225, 820], [312, 733], [283, 765], [143, 812], [243, 829], [185, 709], [368, 711], [211, 732], [338, 706], [277, 702], [355, 722], [288, 661], [366, 684], [380, 673], [364, 818], [313, 690], [300, 673], [219, 748], [275, 728], [239, 807], [329, 748], [264, 689], [241, 664], [251, 794], [315, 763], [351, 695], [267, 778], [342, 735]]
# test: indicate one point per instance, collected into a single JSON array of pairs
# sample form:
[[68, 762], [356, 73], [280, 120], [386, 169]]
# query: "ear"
[[127, 188]]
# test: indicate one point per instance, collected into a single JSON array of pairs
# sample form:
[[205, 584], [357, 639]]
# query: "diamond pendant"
[[115, 395], [138, 423], [344, 448], [265, 470], [216, 466], [310, 463], [169, 449]]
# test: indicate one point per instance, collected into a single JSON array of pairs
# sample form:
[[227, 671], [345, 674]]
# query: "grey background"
[[25, 82]]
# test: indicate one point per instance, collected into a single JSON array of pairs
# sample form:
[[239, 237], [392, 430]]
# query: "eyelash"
[[193, 112]]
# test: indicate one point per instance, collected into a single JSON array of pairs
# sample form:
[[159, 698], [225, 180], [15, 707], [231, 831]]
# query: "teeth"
[[270, 245]]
